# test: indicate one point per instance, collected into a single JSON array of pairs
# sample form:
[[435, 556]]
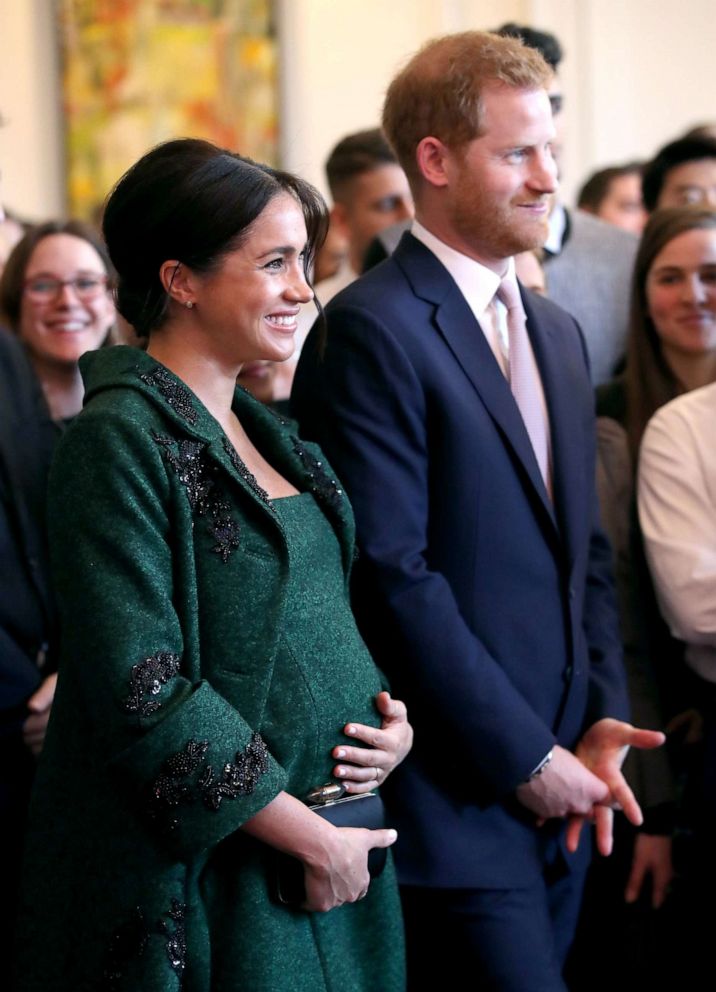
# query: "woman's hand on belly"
[[364, 768]]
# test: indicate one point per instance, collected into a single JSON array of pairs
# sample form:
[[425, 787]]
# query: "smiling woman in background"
[[54, 294], [54, 299], [211, 667], [671, 350]]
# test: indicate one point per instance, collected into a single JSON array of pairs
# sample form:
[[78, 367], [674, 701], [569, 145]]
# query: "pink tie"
[[523, 378]]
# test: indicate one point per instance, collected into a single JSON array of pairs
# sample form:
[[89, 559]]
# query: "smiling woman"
[[55, 295], [54, 300], [212, 674]]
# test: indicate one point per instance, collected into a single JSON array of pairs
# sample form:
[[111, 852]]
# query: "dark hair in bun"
[[189, 200]]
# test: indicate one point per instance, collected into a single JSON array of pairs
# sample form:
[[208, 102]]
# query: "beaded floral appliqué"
[[187, 459], [147, 679], [171, 789], [176, 395], [323, 486], [129, 941], [175, 939], [237, 778], [245, 473]]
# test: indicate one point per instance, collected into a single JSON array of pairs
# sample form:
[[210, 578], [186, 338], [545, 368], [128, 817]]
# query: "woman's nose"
[[694, 290], [299, 288]]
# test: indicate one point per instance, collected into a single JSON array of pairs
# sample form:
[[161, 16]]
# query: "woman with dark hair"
[[55, 295], [671, 349], [210, 663], [55, 304]]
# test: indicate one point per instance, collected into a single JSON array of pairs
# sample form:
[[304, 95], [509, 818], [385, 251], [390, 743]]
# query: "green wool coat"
[[181, 711]]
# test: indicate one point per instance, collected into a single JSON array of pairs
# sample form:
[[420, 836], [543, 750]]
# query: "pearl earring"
[[189, 304]]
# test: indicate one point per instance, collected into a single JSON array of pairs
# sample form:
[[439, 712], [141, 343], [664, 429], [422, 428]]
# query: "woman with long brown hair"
[[671, 350]]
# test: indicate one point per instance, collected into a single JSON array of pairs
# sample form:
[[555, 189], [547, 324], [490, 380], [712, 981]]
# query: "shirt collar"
[[557, 228], [476, 282]]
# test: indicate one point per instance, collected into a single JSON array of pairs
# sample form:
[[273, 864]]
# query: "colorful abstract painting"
[[137, 72]]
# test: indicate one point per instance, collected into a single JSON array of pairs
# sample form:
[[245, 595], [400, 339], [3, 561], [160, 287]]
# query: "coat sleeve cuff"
[[200, 773]]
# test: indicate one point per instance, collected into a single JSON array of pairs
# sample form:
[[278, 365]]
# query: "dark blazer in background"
[[27, 438], [27, 616], [490, 609]]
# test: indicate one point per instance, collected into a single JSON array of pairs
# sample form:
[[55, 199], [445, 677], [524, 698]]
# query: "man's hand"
[[652, 857], [39, 704], [565, 787], [602, 750]]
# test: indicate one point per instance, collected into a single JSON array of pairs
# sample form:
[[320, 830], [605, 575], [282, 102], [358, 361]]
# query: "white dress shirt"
[[478, 285], [677, 512]]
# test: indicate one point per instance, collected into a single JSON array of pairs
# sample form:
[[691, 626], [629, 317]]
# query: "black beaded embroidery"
[[282, 421], [245, 473], [176, 938], [323, 486], [177, 395], [186, 458], [129, 942], [171, 790], [239, 777], [147, 679]]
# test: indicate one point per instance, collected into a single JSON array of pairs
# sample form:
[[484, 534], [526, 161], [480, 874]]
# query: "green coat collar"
[[301, 463]]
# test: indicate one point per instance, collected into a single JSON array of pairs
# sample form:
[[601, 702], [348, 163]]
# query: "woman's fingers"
[[373, 736], [363, 756], [357, 779]]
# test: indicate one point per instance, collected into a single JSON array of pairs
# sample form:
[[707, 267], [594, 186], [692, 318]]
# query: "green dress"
[[209, 660]]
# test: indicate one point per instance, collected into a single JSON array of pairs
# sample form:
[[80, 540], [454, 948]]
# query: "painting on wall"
[[137, 72]]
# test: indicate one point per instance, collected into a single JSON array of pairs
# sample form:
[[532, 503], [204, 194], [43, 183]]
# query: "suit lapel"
[[465, 338]]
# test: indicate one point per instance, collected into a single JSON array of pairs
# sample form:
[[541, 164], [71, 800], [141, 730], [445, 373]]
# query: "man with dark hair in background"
[[369, 192], [682, 173], [614, 195]]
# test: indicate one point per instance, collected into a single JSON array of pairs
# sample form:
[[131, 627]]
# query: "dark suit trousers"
[[507, 940]]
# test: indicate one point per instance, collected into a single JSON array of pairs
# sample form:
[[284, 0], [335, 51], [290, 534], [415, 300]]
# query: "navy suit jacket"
[[489, 607]]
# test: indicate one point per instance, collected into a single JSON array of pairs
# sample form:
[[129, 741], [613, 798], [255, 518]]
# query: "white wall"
[[636, 73], [338, 57], [31, 152], [652, 73]]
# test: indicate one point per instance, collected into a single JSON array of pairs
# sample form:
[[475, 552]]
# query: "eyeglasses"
[[45, 289]]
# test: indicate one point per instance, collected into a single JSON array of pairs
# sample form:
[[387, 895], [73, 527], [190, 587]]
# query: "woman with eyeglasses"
[[55, 304]]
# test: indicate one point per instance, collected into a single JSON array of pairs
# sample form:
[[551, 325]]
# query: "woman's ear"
[[178, 282]]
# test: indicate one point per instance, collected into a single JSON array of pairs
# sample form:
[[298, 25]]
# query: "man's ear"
[[432, 158], [178, 281], [339, 220]]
